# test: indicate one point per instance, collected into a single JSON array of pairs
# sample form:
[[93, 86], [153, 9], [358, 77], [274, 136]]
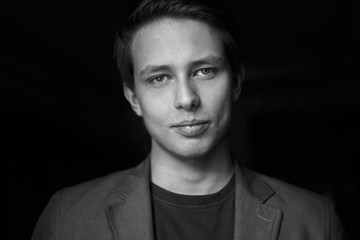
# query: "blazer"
[[118, 206]]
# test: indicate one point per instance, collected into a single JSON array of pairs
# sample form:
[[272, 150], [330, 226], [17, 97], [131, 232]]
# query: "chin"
[[192, 151], [192, 154], [189, 148]]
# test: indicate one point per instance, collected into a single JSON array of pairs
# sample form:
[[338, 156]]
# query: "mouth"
[[191, 128]]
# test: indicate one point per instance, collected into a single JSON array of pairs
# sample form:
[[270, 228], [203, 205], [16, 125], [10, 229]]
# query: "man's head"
[[181, 78], [149, 11]]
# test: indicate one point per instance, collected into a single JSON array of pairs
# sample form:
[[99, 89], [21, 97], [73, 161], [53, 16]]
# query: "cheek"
[[220, 106], [224, 107], [219, 98], [154, 109]]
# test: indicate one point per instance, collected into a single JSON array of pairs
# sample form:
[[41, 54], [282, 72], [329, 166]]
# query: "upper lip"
[[190, 123]]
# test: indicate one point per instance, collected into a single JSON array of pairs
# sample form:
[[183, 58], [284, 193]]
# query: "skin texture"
[[182, 78]]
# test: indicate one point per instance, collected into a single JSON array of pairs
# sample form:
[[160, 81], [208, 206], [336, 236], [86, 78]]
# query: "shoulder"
[[295, 200], [286, 193], [104, 183], [91, 195], [278, 193], [302, 209], [74, 210]]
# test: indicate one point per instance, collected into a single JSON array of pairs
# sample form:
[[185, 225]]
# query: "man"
[[182, 73]]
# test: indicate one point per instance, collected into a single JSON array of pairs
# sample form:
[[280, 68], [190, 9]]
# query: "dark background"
[[65, 121]]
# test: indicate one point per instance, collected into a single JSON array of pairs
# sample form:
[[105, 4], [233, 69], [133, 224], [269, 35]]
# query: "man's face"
[[183, 86]]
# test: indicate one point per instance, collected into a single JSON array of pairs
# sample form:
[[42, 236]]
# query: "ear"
[[130, 95], [238, 79]]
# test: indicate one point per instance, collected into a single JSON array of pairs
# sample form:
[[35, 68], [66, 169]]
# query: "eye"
[[205, 72], [159, 79]]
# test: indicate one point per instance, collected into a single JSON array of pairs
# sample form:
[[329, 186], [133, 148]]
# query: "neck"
[[192, 176]]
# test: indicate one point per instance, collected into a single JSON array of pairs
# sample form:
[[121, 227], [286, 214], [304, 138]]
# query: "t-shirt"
[[194, 217]]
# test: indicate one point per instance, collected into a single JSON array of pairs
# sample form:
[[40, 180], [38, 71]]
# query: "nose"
[[186, 96]]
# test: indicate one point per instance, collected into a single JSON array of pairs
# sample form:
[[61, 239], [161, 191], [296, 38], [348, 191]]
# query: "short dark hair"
[[150, 10]]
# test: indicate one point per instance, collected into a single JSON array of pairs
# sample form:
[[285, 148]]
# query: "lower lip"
[[191, 130]]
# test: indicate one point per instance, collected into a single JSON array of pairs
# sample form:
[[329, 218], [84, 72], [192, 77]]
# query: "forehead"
[[174, 41]]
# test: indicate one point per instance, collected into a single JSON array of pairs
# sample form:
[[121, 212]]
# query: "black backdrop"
[[65, 121]]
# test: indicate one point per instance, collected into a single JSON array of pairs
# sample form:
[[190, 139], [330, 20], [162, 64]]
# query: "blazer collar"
[[130, 215], [253, 218]]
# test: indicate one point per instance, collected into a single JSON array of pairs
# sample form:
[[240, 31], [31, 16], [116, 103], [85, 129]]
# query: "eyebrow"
[[210, 59], [154, 68]]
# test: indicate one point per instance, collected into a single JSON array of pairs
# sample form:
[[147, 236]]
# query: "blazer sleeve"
[[336, 230], [45, 227]]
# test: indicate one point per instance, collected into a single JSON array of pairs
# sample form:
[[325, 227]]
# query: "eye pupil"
[[159, 79], [205, 71]]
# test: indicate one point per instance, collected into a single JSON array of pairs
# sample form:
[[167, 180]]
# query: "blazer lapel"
[[130, 217], [130, 214], [254, 220]]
